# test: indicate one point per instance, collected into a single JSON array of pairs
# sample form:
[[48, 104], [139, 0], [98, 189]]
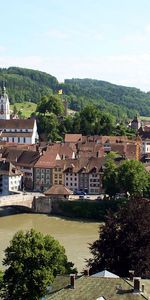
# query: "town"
[[43, 174], [77, 162]]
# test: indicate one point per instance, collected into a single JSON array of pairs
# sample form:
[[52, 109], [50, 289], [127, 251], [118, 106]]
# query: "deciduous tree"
[[124, 241], [32, 261]]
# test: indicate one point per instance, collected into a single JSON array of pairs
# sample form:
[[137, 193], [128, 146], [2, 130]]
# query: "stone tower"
[[4, 105]]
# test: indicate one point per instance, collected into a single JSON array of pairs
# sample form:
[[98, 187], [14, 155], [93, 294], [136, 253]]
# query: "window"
[[18, 139], [13, 139], [24, 139]]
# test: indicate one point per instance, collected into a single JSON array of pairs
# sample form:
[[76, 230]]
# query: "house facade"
[[10, 178]]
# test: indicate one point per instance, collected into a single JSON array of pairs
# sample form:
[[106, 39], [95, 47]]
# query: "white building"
[[4, 106], [21, 131], [10, 178], [71, 178]]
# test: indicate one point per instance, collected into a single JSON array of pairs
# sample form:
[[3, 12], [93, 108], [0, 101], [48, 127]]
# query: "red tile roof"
[[59, 190], [73, 138], [17, 123]]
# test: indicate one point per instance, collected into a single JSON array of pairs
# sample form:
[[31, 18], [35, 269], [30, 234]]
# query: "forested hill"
[[109, 96], [26, 84], [29, 85]]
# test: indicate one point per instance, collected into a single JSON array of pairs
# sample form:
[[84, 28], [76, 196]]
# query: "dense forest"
[[30, 85]]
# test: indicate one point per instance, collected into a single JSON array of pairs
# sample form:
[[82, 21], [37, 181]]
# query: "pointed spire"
[[3, 88]]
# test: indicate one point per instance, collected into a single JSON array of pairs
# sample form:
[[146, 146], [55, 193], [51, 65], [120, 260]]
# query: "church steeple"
[[4, 104]]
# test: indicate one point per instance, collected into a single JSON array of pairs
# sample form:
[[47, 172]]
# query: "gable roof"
[[48, 159]]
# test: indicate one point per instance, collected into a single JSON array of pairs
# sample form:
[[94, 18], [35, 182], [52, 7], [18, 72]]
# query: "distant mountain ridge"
[[29, 85]]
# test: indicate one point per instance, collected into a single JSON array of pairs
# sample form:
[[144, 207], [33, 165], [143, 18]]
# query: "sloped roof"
[[20, 157], [59, 190], [105, 274], [92, 288], [62, 149], [47, 160], [73, 138], [17, 123]]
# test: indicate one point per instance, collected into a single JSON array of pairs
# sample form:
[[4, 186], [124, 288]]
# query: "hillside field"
[[26, 108]]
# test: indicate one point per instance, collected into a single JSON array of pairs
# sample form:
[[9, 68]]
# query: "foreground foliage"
[[124, 241], [32, 260]]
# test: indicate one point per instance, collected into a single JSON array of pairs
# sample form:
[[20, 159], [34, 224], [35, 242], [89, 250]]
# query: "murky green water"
[[73, 235]]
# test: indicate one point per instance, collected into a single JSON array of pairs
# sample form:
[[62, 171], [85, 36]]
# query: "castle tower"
[[4, 105]]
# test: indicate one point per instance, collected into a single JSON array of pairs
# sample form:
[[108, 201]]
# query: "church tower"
[[4, 105]]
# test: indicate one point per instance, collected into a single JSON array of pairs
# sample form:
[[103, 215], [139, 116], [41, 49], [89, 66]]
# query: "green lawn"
[[26, 108]]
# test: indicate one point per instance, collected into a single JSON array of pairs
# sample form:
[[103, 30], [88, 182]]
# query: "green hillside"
[[109, 96], [25, 109], [26, 85]]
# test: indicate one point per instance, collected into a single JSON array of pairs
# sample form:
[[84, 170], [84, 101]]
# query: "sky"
[[99, 39]]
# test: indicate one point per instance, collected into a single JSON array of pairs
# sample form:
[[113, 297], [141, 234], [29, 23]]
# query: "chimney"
[[136, 281], [72, 281], [131, 274]]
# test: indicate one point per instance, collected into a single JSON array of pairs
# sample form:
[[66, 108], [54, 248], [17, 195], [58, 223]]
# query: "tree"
[[32, 261], [50, 104], [110, 177], [124, 241], [1, 280], [133, 177]]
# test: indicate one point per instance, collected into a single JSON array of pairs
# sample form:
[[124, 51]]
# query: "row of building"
[[78, 162]]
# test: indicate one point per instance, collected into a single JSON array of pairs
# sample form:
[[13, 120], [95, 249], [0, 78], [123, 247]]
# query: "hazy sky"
[[103, 39]]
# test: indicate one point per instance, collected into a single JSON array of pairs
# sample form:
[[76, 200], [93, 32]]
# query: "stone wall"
[[42, 205]]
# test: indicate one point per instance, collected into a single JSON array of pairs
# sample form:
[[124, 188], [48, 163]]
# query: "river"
[[74, 235]]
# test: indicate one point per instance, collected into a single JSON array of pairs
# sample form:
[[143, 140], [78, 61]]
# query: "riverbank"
[[84, 209]]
